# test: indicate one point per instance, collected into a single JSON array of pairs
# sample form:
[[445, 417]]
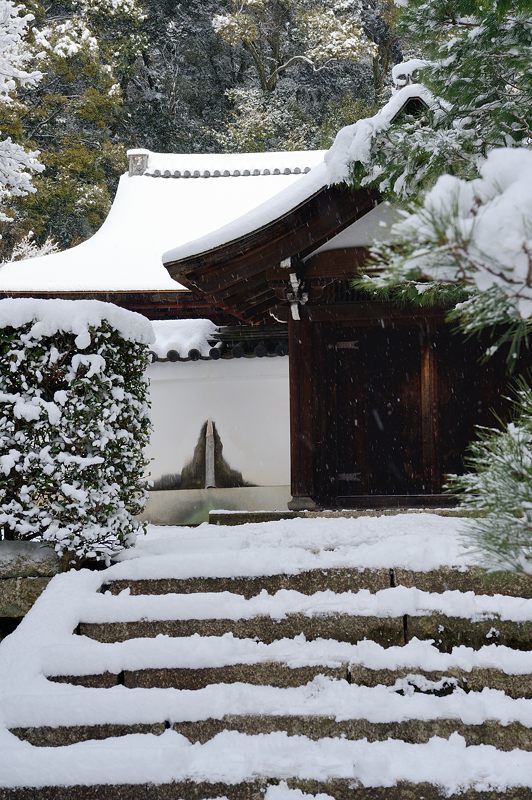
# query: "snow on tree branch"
[[16, 164], [27, 247], [476, 232], [14, 54]]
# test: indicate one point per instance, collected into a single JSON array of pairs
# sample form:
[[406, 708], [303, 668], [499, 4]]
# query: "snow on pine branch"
[[354, 142], [476, 232]]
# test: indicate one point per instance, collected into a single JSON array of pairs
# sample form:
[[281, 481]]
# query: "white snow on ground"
[[420, 542], [43, 645], [69, 316], [183, 335], [150, 215], [234, 758], [283, 792]]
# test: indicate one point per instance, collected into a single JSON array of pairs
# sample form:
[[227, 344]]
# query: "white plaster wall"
[[247, 399]]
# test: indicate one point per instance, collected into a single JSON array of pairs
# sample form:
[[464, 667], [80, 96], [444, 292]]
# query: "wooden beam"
[[341, 263], [371, 313], [429, 412]]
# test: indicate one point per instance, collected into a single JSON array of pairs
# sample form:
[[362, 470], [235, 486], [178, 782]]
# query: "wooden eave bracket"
[[243, 276]]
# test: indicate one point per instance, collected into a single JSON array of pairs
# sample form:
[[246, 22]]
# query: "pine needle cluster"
[[499, 485]]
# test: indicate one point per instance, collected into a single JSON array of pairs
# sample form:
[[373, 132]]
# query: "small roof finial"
[[138, 161]]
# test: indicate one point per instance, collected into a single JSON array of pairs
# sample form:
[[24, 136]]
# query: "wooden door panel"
[[378, 412]]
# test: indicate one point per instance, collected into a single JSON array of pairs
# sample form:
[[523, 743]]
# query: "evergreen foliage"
[[500, 486], [73, 426], [17, 165], [464, 165], [87, 52], [478, 70]]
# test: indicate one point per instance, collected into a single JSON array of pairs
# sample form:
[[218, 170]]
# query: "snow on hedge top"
[[151, 214], [183, 335], [73, 316], [353, 143]]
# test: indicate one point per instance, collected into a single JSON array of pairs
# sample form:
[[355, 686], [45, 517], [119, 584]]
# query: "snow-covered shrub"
[[500, 486], [73, 424]]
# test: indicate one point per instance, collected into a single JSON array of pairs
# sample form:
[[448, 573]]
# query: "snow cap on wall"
[[183, 336]]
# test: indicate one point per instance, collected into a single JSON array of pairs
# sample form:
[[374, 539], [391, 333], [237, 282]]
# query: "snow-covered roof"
[[352, 144], [175, 199]]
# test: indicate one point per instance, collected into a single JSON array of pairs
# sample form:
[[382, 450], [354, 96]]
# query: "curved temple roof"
[[175, 199]]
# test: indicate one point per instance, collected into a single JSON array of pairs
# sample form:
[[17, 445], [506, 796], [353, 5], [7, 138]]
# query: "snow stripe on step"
[[232, 758], [322, 697], [414, 541], [390, 603], [84, 656]]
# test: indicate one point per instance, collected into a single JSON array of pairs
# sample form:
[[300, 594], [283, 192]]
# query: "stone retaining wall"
[[26, 568]]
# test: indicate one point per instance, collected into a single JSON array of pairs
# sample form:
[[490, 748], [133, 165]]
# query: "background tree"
[[86, 52], [17, 165], [308, 65]]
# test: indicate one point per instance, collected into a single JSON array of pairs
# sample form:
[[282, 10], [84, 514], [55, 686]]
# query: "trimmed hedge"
[[73, 426]]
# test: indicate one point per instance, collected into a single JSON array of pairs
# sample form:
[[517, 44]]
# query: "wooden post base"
[[302, 504]]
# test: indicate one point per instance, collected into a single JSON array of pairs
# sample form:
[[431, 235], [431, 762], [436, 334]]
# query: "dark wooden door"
[[382, 410], [378, 436]]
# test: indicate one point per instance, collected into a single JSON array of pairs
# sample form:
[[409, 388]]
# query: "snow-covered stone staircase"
[[357, 658]]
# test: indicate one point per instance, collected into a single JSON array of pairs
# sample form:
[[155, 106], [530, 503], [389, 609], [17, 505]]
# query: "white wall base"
[[192, 506]]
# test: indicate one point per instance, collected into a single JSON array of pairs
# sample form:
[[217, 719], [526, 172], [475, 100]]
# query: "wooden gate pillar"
[[302, 415]]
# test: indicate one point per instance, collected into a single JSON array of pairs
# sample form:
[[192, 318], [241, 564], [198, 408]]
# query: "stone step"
[[504, 737], [338, 580], [283, 676], [265, 674], [343, 627], [447, 632], [256, 790], [307, 582]]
